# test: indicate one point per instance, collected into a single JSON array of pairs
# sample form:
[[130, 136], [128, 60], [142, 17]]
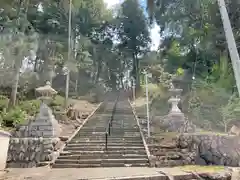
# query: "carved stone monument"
[[44, 125]]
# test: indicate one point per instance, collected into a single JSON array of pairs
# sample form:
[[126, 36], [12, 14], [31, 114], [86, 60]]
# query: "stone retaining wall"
[[30, 152], [212, 149], [165, 152], [194, 148]]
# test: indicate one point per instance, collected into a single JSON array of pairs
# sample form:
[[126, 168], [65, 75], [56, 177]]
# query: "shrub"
[[57, 101], [13, 117], [3, 102], [30, 107]]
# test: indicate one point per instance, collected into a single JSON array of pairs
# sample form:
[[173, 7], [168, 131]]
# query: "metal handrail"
[[108, 129]]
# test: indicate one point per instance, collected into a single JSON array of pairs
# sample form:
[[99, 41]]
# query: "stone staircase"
[[88, 147]]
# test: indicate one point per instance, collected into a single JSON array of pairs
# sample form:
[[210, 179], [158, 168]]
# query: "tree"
[[133, 33], [228, 111]]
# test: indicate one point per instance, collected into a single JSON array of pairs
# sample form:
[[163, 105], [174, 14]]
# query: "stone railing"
[[30, 152]]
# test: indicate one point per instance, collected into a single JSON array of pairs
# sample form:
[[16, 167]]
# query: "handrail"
[[108, 129]]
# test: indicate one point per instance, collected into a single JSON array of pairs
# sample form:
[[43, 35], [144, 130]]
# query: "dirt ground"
[[68, 127]]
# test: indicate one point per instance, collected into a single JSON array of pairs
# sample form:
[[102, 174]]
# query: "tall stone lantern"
[[45, 125], [175, 99], [175, 119]]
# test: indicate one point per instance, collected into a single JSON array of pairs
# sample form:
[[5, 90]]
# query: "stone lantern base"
[[173, 122]]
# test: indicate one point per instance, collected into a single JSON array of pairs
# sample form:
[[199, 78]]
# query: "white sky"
[[154, 31]]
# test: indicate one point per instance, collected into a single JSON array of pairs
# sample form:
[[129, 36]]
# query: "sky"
[[154, 31]]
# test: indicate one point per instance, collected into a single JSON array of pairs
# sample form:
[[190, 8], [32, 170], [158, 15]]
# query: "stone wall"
[[165, 151], [212, 149], [194, 148], [30, 152]]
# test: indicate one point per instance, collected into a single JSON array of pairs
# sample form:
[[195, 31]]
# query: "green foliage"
[[193, 39], [30, 107], [208, 105], [13, 117], [57, 103], [230, 111], [133, 33], [3, 103]]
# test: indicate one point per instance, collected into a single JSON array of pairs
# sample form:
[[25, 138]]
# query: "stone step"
[[86, 144], [102, 156], [98, 165], [163, 152], [167, 153], [102, 141], [112, 133], [102, 161], [115, 138], [170, 157], [171, 163], [104, 129], [97, 148], [163, 146], [121, 152]]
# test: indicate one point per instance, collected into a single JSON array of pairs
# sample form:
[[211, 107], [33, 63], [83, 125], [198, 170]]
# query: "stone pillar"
[[4, 141]]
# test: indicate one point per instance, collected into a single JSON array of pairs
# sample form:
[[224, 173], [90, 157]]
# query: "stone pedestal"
[[4, 141], [45, 125], [174, 122]]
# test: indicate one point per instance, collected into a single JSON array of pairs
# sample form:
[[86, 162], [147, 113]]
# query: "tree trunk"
[[99, 69], [13, 97], [76, 86], [225, 127], [136, 71]]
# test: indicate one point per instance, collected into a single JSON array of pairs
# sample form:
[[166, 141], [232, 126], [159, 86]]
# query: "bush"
[[3, 102], [57, 104], [30, 107], [13, 117], [57, 101]]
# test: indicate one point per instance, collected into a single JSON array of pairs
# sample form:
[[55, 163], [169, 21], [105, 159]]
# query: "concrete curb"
[[159, 176], [140, 129]]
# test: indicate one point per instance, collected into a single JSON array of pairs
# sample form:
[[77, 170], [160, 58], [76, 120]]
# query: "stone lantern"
[[175, 119], [175, 99], [47, 92], [45, 125]]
